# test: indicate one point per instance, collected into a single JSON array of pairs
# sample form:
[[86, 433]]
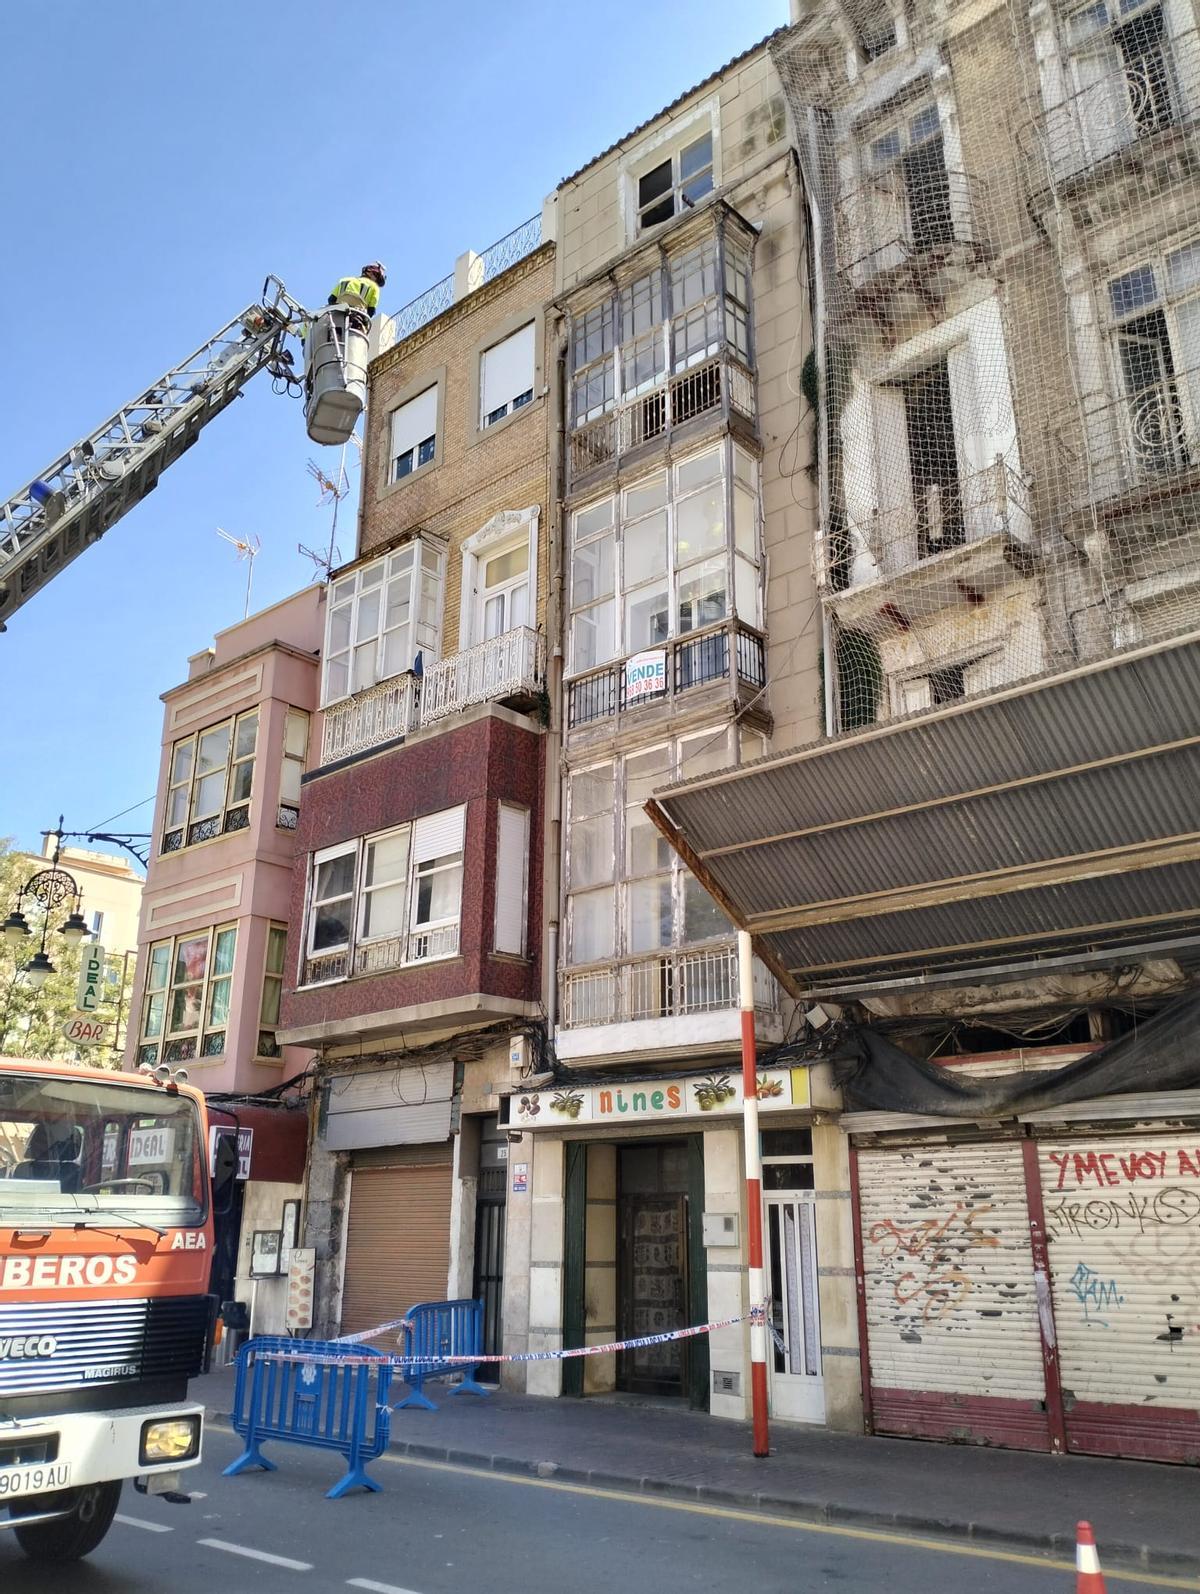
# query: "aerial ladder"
[[81, 495]]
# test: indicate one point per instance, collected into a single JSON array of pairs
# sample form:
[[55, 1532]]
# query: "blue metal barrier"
[[437, 1329], [294, 1390]]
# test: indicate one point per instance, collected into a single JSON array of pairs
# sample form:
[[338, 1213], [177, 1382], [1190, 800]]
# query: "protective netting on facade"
[[1006, 374]]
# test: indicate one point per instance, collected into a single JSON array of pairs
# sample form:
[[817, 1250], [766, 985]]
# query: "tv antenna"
[[331, 492], [247, 549]]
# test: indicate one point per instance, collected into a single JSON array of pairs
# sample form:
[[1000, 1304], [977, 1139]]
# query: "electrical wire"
[[91, 829]]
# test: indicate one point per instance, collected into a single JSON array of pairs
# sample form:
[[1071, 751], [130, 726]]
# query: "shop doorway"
[[652, 1275], [488, 1282], [789, 1219]]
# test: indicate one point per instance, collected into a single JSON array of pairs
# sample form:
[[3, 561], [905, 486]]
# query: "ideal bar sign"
[[716, 1094]]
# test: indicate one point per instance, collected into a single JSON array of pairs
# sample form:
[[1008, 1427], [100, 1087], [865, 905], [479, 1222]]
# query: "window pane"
[[337, 679], [295, 739], [700, 468], [693, 276], [371, 576], [276, 949], [649, 913], [646, 550], [270, 1001], [344, 589], [695, 157], [367, 624], [185, 1009], [925, 124], [700, 525], [387, 859], [397, 651], [339, 628], [592, 792], [243, 779], [289, 780], [247, 735], [593, 636], [214, 749], [1133, 291], [438, 894], [155, 1010], [1183, 268], [218, 1002], [700, 755], [506, 566], [331, 925], [383, 910], [399, 603], [363, 666], [177, 803], [702, 917], [702, 596], [648, 495], [592, 926], [160, 962], [885, 149], [592, 570], [588, 521], [593, 334], [181, 763], [1091, 19], [647, 617], [591, 850], [647, 850], [654, 184], [645, 771], [745, 590], [209, 795], [745, 529], [223, 952], [335, 877], [190, 959], [641, 306]]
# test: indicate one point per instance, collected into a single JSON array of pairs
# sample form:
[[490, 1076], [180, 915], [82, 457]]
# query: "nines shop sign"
[[715, 1094]]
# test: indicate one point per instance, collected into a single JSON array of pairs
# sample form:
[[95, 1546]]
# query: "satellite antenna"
[[247, 550]]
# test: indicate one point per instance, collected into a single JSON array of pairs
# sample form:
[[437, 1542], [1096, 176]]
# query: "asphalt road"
[[449, 1530]]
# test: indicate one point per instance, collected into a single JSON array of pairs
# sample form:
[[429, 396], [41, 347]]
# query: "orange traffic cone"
[[1088, 1577]]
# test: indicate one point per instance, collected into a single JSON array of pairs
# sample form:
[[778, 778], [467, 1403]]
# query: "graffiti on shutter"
[[950, 1299], [1123, 1225]]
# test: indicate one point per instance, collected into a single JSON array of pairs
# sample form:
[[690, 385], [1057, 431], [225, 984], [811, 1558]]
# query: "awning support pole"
[[754, 1234]]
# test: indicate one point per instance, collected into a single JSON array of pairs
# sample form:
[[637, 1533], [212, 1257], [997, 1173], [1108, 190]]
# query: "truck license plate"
[[39, 1479]]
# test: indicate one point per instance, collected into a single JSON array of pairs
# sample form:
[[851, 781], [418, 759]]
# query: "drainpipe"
[[552, 878]]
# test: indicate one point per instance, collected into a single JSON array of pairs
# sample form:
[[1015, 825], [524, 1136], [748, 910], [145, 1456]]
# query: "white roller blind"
[[413, 422], [512, 851], [437, 835], [507, 370]]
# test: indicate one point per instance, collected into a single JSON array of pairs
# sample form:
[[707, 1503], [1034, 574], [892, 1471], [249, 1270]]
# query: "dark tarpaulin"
[[1161, 1054]]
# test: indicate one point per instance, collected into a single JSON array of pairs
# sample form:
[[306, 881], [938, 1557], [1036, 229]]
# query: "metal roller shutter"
[[1123, 1226], [397, 1242], [952, 1323]]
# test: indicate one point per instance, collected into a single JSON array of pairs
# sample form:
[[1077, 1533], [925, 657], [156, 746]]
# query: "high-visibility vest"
[[360, 288]]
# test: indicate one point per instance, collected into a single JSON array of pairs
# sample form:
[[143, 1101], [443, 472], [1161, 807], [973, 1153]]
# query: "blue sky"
[[162, 159]]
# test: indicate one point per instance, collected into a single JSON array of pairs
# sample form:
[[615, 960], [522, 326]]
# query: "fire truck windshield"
[[70, 1148]]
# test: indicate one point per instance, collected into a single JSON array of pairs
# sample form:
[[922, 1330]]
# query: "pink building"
[[213, 927]]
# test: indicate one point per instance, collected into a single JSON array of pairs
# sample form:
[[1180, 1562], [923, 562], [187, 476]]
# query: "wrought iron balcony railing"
[[512, 665], [1141, 95], [427, 306], [720, 385], [673, 983], [890, 224], [1145, 439], [731, 651], [979, 505], [379, 714]]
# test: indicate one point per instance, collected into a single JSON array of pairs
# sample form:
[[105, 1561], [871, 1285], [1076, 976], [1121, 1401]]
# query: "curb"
[[1116, 1554]]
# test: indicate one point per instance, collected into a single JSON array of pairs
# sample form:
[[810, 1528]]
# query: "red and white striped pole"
[[754, 1234]]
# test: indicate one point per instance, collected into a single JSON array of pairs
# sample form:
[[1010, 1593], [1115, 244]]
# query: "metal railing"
[[980, 504], [673, 983], [510, 665], [378, 714], [1146, 438], [1147, 94], [427, 306], [379, 957], [730, 651], [720, 384], [889, 222]]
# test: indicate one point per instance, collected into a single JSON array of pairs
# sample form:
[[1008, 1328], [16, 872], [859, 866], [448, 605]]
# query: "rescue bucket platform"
[[335, 374]]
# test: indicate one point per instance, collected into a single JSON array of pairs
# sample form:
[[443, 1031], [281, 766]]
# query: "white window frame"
[[420, 562], [204, 1040], [272, 980], [736, 493], [503, 531], [667, 143], [229, 815], [420, 937], [680, 763], [1186, 379], [289, 807], [515, 401], [422, 451], [521, 817]]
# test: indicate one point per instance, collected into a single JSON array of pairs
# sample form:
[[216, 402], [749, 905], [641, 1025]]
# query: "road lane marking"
[[256, 1555], [375, 1588], [139, 1522], [796, 1524]]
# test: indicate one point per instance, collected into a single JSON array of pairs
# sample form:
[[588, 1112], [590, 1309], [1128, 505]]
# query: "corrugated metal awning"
[[1058, 815]]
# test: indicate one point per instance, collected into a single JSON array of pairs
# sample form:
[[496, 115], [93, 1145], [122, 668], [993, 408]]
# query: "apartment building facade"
[[988, 871], [213, 930], [690, 643], [416, 927]]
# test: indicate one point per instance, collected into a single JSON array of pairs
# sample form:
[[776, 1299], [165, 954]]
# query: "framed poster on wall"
[[264, 1254], [290, 1233]]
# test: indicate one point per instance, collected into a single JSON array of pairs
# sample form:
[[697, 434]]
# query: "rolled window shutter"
[[507, 370], [438, 835], [413, 422], [512, 851]]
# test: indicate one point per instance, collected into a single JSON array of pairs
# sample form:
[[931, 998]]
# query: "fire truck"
[[107, 1198]]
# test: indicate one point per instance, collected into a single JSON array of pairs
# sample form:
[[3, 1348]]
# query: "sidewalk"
[[1144, 1514]]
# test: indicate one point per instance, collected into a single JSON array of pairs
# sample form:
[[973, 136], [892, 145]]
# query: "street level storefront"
[[634, 1194], [1034, 1280]]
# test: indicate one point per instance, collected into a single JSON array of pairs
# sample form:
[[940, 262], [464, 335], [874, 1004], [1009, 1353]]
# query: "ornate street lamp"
[[50, 889]]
